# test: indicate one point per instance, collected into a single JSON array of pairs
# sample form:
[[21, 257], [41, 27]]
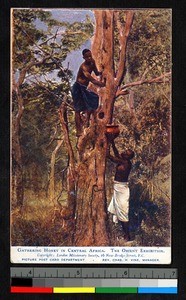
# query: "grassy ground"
[[38, 224]]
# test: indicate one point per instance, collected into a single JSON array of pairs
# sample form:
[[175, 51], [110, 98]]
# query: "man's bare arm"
[[113, 158], [116, 153], [92, 79]]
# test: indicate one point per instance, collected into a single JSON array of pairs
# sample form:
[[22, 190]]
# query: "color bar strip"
[[166, 283], [31, 290], [27, 282], [115, 290], [158, 290], [74, 290]]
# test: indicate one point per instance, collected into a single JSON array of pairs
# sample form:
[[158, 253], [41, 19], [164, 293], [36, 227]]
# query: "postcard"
[[91, 136]]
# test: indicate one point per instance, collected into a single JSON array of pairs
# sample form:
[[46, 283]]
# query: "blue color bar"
[[157, 290]]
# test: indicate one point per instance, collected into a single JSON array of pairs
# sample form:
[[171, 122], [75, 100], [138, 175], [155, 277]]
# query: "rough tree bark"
[[51, 189], [17, 164], [69, 212], [90, 213]]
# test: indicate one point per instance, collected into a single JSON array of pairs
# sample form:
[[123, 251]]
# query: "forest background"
[[45, 150]]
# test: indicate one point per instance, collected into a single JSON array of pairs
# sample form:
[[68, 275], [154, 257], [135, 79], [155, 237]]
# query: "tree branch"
[[53, 137], [64, 124], [108, 45], [50, 38], [159, 79], [123, 38], [40, 83], [49, 55], [29, 66], [98, 39], [34, 43]]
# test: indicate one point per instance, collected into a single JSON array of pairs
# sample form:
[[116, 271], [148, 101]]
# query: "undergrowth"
[[38, 224]]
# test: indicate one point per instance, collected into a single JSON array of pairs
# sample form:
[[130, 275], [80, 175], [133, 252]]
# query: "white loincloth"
[[119, 205]]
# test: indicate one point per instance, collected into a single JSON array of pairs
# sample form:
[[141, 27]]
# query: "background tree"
[[36, 55], [91, 215]]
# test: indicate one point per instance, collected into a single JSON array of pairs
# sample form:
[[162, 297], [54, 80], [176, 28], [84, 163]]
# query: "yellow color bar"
[[71, 290]]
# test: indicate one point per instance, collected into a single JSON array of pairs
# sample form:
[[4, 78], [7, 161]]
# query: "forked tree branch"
[[108, 44], [159, 79], [123, 38]]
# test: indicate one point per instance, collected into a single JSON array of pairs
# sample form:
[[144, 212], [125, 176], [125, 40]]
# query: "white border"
[[91, 255]]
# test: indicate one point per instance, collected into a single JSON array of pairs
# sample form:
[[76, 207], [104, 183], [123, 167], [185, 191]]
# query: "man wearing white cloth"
[[119, 205]]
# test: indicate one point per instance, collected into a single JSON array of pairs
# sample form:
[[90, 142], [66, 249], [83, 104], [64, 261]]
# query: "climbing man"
[[85, 100], [119, 205]]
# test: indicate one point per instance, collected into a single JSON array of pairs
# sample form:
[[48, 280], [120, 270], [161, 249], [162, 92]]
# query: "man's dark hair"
[[85, 51]]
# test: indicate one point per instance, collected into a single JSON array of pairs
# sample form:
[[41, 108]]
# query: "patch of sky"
[[71, 15], [74, 58], [40, 25]]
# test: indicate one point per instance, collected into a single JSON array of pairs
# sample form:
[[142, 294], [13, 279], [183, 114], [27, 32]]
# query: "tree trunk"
[[91, 216], [51, 188], [69, 212], [17, 165], [91, 203]]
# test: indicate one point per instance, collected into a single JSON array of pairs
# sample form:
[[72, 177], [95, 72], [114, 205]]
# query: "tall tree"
[[37, 51], [23, 59], [110, 50], [90, 208]]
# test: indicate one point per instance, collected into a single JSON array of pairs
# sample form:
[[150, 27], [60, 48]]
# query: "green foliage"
[[150, 207], [43, 44], [149, 132], [76, 34], [149, 47], [146, 129], [41, 127], [32, 42], [25, 35]]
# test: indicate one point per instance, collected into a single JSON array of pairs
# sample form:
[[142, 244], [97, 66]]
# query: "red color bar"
[[33, 290]]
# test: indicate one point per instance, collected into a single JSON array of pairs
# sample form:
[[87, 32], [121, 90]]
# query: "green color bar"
[[116, 290]]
